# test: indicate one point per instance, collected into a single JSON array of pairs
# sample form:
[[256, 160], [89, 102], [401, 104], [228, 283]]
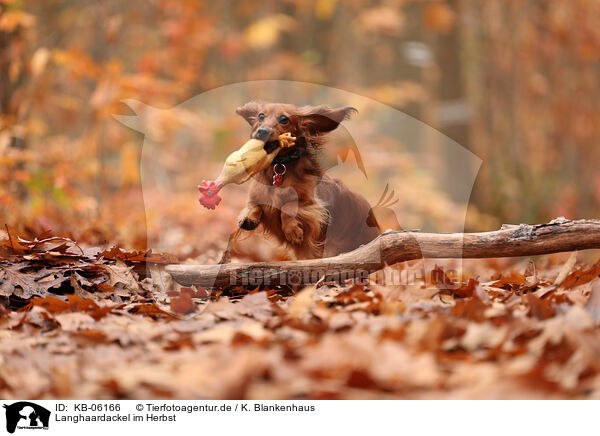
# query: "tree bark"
[[391, 247]]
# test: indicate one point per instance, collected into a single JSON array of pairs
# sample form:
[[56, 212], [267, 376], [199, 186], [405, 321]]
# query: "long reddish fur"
[[311, 213]]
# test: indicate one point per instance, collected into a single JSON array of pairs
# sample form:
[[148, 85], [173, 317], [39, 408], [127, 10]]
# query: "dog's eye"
[[261, 117], [283, 119]]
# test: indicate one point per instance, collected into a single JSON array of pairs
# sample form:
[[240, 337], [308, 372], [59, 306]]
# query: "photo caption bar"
[[93, 417]]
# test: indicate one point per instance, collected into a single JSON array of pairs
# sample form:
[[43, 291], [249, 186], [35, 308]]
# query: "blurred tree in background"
[[532, 70], [514, 81]]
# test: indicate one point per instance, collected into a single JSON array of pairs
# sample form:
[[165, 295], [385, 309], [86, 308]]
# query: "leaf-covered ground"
[[105, 323]]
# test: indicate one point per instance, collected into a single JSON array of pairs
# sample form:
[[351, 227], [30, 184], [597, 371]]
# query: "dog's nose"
[[263, 133]]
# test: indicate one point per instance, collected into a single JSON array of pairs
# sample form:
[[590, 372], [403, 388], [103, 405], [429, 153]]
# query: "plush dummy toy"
[[242, 164]]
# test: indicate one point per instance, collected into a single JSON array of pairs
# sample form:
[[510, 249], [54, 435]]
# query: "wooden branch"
[[391, 247]]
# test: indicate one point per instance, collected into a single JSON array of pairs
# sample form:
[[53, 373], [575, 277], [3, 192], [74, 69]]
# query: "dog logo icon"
[[26, 415]]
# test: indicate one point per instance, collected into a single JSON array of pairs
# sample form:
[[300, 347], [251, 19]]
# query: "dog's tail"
[[383, 207], [386, 201]]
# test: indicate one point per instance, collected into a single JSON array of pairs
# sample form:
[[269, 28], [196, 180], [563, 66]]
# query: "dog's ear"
[[321, 119], [249, 111]]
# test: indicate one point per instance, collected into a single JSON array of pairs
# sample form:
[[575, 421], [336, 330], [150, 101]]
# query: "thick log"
[[391, 247]]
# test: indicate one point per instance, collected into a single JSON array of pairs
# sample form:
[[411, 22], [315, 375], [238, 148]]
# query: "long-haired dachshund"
[[311, 213]]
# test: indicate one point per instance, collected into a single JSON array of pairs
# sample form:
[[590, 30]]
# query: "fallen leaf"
[[74, 321], [579, 277], [182, 304], [593, 303], [566, 269], [302, 303], [18, 279], [120, 273]]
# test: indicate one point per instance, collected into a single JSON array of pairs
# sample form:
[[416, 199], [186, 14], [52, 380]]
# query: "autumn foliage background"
[[514, 81]]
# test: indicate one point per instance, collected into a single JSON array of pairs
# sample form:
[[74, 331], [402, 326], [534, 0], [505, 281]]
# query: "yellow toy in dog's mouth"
[[240, 165]]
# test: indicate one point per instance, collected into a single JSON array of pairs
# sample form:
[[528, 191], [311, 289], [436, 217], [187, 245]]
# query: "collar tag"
[[279, 170]]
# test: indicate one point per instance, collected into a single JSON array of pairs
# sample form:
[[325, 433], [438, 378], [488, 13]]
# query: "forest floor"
[[86, 322]]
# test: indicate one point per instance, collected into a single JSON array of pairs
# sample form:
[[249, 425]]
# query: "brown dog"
[[303, 208]]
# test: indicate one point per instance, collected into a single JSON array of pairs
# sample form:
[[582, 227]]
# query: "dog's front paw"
[[294, 233], [248, 223]]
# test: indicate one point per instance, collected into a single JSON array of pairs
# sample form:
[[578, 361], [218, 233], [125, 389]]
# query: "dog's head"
[[269, 120]]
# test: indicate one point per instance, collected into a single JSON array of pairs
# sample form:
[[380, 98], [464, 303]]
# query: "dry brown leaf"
[[182, 304], [74, 321], [593, 303], [120, 273], [566, 269], [302, 303], [17, 279], [579, 277]]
